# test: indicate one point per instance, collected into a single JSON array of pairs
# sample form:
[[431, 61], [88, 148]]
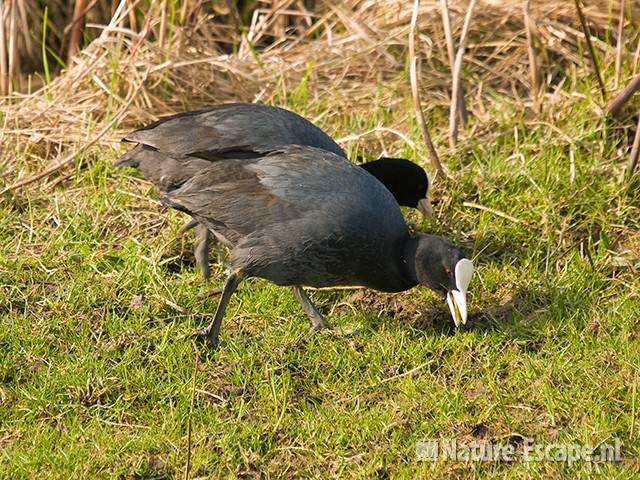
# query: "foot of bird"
[[319, 323], [315, 331], [205, 271], [203, 336], [320, 327]]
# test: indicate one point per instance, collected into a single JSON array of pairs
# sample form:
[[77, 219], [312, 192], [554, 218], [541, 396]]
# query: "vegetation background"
[[98, 294]]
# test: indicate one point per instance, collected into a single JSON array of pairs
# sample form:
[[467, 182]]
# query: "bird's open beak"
[[424, 206], [457, 298]]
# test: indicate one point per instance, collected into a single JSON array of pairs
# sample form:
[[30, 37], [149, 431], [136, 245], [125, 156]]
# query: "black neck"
[[403, 277], [408, 261]]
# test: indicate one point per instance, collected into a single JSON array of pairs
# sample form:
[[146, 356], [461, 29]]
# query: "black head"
[[444, 268], [407, 181]]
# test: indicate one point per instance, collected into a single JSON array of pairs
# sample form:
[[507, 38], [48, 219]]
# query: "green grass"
[[99, 297]]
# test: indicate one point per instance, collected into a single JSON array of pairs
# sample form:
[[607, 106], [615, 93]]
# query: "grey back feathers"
[[228, 129], [300, 216], [175, 148]]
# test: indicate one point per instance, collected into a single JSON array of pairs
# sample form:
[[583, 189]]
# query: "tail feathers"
[[137, 154], [170, 202], [129, 159]]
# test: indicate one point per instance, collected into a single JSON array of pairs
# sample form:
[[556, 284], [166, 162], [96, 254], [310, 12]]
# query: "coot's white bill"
[[457, 299]]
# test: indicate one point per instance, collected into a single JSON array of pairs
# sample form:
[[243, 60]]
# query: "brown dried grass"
[[346, 53]]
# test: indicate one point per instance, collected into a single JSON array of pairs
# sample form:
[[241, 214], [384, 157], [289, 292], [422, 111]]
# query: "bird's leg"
[[317, 320], [188, 226], [210, 334], [201, 252], [204, 239]]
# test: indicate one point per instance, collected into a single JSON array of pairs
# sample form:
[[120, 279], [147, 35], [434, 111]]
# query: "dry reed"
[[343, 55]]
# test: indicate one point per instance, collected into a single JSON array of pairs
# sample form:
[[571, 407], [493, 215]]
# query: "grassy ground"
[[98, 298]]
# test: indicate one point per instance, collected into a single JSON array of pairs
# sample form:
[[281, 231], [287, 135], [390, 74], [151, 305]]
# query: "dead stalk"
[[498, 213], [616, 104], [619, 45], [415, 93], [592, 53], [118, 15], [28, 42], [453, 124], [185, 11], [448, 35], [133, 24], [13, 45], [635, 150], [446, 24], [76, 29], [12, 51], [636, 56], [4, 74], [76, 19], [163, 23], [533, 61]]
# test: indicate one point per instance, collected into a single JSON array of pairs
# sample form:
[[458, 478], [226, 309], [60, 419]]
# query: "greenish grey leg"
[[317, 320], [201, 251], [212, 332], [204, 239], [188, 226]]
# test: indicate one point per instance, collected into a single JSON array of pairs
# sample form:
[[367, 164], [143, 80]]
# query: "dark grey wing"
[[230, 199], [297, 216], [230, 131]]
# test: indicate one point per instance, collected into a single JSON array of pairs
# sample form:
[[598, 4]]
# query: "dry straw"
[[133, 72]]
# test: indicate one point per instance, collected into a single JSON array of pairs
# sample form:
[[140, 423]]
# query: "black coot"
[[302, 216], [173, 149]]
